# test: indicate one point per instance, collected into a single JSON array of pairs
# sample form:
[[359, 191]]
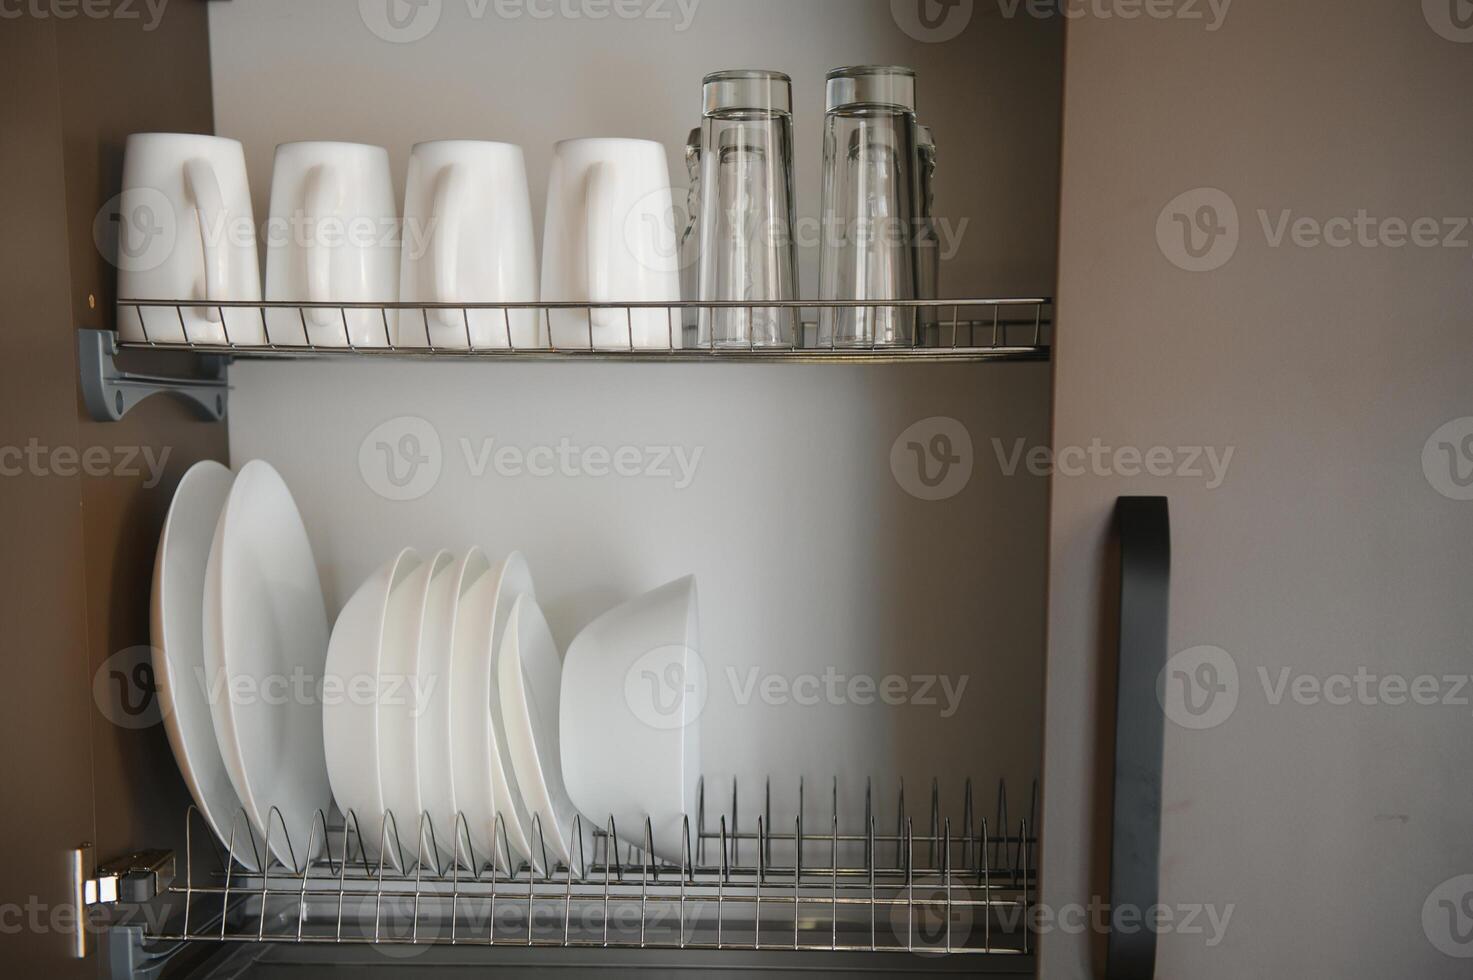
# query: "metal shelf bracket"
[[111, 393]]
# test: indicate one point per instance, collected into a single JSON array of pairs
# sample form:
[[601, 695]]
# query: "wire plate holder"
[[111, 393]]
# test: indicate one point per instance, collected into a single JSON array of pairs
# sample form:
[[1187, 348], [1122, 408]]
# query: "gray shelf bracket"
[[111, 393]]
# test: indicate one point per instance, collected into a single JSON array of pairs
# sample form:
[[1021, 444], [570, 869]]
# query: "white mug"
[[610, 238], [333, 238], [186, 231], [468, 239]]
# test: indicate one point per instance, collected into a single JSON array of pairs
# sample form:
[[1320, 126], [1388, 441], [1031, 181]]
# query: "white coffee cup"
[[333, 238], [186, 231], [468, 239], [610, 237]]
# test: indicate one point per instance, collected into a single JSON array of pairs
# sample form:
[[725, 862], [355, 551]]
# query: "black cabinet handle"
[[1143, 532]]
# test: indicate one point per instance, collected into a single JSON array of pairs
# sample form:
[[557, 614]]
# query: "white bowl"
[[351, 729], [632, 692], [403, 700], [529, 678]]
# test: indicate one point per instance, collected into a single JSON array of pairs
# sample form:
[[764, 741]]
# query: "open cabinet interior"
[[939, 727], [869, 538], [812, 557]]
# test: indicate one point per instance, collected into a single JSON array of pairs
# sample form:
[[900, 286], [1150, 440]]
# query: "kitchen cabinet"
[[1315, 375]]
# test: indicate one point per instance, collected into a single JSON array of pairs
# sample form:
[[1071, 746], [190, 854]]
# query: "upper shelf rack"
[[952, 329]]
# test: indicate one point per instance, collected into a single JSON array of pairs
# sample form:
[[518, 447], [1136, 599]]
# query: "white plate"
[[529, 675], [633, 691], [402, 701], [485, 788], [265, 644], [433, 726], [177, 619], [352, 728]]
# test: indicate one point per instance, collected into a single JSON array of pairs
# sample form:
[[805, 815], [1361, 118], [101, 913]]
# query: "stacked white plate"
[[240, 637], [419, 753], [439, 714]]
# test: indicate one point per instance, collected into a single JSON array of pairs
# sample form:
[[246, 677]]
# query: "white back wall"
[[812, 557], [286, 70], [772, 484]]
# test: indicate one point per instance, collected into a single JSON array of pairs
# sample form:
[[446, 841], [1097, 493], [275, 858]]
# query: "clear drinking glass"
[[747, 249], [690, 237], [871, 200], [928, 240]]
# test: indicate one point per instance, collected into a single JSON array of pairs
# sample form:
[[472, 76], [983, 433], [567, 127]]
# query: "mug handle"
[[320, 198], [209, 210], [449, 204], [598, 222]]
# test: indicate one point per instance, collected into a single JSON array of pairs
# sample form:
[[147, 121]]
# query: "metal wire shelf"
[[940, 888], [953, 329]]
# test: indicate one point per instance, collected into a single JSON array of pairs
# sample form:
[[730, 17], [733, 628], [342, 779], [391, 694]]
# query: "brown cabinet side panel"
[[45, 704], [123, 75]]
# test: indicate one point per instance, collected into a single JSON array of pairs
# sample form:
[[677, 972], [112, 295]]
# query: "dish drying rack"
[[947, 895], [956, 884], [945, 330]]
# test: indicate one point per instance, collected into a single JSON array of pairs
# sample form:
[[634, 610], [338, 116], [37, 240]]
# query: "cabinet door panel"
[[45, 700]]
